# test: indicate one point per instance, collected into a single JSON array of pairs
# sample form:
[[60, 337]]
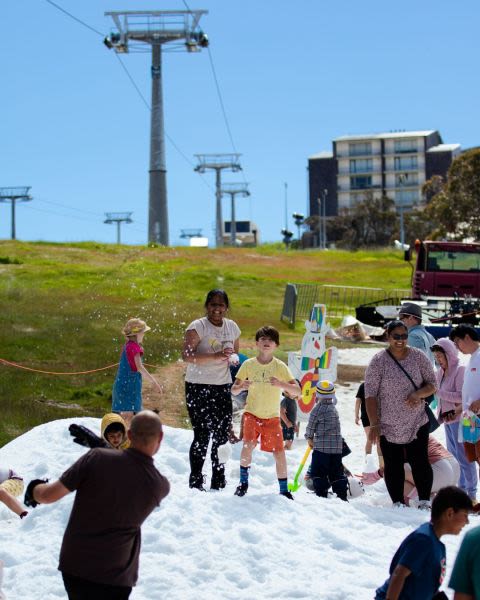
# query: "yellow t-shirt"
[[263, 399]]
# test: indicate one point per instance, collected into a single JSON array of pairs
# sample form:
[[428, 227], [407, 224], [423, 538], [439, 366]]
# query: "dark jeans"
[[81, 589], [327, 470], [210, 411], [415, 453]]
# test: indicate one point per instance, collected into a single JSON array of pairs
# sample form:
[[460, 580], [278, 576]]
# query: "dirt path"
[[172, 403]]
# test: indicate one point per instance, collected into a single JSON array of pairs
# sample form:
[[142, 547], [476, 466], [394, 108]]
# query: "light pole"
[[298, 218], [135, 30]]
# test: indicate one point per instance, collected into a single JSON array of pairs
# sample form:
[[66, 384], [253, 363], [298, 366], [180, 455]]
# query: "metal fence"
[[299, 299]]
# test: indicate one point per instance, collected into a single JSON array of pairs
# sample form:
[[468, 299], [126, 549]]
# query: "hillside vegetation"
[[63, 306]]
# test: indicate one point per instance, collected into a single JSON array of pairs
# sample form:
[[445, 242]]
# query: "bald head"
[[146, 432]]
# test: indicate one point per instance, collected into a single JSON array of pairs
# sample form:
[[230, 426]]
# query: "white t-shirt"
[[212, 339], [471, 381]]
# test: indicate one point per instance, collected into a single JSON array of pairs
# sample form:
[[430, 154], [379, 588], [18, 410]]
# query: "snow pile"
[[215, 545]]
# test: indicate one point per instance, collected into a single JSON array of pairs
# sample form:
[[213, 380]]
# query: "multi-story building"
[[395, 164]]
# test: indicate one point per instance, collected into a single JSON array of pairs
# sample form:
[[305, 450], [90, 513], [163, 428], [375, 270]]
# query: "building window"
[[408, 145], [406, 179], [359, 148], [361, 165], [406, 163], [406, 198], [361, 182]]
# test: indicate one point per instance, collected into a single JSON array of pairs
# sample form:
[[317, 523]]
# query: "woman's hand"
[[222, 355], [414, 400], [374, 434], [357, 420]]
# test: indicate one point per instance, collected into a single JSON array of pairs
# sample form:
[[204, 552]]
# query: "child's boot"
[[243, 486], [284, 488], [241, 490]]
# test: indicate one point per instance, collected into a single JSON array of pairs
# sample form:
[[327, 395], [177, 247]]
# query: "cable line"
[[75, 18]]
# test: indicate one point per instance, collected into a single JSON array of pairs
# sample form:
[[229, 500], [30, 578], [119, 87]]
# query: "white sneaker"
[[424, 505], [398, 505]]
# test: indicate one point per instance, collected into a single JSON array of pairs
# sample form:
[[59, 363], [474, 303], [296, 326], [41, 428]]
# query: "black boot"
[[241, 490], [218, 481], [196, 481]]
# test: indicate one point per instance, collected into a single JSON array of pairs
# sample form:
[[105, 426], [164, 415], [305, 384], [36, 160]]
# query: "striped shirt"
[[324, 428]]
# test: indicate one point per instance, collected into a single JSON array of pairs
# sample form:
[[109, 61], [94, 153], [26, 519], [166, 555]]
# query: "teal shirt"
[[465, 577]]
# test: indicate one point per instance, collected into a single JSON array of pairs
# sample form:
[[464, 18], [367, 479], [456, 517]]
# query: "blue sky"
[[293, 76]]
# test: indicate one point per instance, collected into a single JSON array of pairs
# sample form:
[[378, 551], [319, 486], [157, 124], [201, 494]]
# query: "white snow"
[[216, 545]]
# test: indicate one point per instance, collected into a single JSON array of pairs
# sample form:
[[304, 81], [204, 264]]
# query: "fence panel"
[[339, 300]]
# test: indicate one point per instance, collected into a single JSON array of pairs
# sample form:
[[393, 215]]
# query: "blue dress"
[[127, 388]]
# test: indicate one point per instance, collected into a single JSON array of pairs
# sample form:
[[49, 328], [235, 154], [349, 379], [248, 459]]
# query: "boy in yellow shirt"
[[264, 377]]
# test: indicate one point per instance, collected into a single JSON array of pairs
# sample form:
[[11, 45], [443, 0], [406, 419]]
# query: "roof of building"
[[445, 148], [323, 154], [390, 134]]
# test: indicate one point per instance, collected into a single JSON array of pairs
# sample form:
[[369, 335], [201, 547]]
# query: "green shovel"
[[295, 485]]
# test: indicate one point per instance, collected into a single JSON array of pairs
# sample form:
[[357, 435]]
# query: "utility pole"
[[135, 30], [118, 218], [218, 162], [324, 218], [234, 189], [14, 195]]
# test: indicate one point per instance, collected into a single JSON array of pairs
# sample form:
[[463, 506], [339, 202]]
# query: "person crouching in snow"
[[11, 486], [324, 435]]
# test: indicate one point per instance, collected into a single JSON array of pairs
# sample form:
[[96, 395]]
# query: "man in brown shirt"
[[116, 491]]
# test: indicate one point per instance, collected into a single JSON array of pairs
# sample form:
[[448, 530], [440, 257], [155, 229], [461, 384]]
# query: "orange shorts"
[[268, 430]]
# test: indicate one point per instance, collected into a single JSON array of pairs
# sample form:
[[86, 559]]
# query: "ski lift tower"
[[218, 162], [135, 31], [14, 195], [234, 189], [118, 219]]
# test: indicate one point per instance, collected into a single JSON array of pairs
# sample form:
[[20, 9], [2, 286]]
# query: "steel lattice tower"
[[134, 31]]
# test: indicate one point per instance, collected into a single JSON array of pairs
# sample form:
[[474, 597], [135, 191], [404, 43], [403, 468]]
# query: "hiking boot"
[[218, 481], [196, 482], [287, 495], [241, 490]]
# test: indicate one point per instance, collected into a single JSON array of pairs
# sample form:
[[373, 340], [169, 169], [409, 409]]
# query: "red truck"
[[446, 269]]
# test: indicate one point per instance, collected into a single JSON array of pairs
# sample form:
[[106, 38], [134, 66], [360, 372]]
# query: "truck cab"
[[446, 269]]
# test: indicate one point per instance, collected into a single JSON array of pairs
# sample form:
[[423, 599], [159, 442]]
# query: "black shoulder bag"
[[432, 419]]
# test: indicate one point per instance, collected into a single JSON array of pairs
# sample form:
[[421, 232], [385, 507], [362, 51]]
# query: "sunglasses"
[[400, 336]]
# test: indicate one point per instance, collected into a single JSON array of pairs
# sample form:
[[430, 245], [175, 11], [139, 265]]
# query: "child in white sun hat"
[[127, 389]]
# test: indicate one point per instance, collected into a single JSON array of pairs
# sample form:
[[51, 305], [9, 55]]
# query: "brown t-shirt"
[[116, 491]]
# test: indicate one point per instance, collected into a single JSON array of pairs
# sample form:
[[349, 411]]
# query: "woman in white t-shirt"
[[211, 344]]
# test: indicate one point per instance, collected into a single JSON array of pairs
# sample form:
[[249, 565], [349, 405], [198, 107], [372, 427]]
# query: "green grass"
[[63, 306]]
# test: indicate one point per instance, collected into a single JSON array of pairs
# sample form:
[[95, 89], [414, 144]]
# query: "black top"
[[116, 491]]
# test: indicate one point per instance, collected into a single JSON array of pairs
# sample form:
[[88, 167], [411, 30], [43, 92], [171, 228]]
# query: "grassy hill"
[[63, 306]]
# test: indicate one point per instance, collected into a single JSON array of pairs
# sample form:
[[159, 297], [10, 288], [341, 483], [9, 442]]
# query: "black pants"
[[81, 589], [210, 411], [327, 471], [415, 453]]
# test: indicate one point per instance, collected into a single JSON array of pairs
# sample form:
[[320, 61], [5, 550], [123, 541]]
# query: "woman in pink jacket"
[[449, 391]]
